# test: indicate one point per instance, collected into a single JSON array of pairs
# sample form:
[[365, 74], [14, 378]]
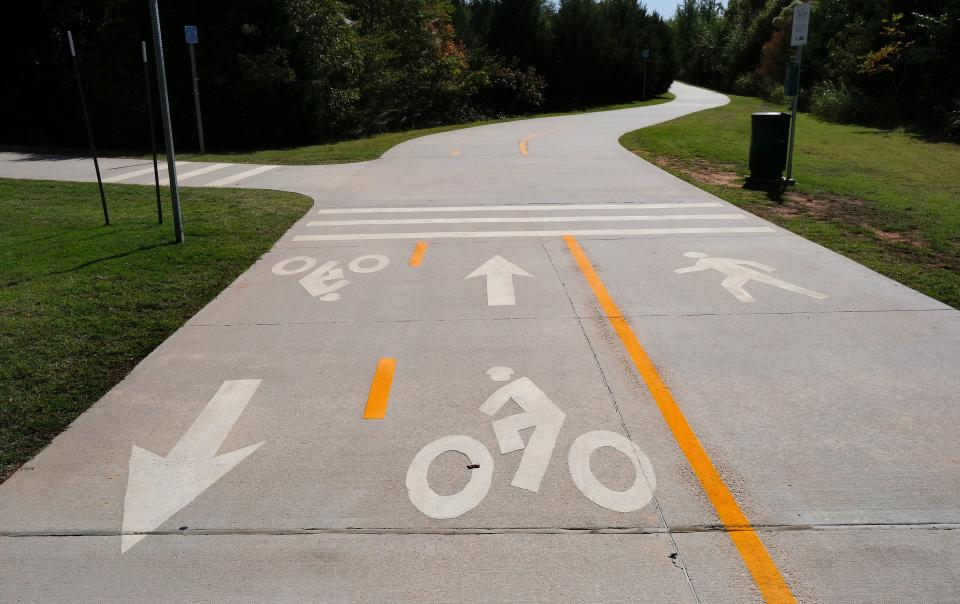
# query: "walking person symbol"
[[740, 272]]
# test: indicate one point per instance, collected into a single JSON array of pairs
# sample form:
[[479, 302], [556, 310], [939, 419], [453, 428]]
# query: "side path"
[[711, 409]]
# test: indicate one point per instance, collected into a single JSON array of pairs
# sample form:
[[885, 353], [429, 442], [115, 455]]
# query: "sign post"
[[801, 29], [646, 55], [165, 115], [190, 33], [153, 136], [86, 120]]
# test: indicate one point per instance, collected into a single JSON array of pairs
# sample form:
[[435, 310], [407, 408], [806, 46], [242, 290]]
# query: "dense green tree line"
[[286, 72], [886, 62]]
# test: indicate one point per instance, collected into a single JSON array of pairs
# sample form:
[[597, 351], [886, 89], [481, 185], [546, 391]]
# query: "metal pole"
[[153, 136], [793, 122], [644, 79], [86, 119], [165, 115], [196, 97]]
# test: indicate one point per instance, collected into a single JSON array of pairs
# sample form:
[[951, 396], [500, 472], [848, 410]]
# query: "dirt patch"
[[856, 215]]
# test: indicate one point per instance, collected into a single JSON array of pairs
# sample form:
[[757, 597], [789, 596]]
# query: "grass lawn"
[[83, 303], [360, 149], [883, 198]]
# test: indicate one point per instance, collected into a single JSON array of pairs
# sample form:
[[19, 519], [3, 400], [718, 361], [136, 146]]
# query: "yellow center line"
[[523, 143], [765, 574], [380, 389], [417, 256], [455, 152]]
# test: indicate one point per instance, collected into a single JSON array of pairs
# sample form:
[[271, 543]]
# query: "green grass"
[[887, 199], [83, 303], [361, 149]]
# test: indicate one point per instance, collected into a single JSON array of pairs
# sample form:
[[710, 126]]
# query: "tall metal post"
[[86, 120], [645, 79], [196, 96], [165, 115], [793, 121], [153, 136]]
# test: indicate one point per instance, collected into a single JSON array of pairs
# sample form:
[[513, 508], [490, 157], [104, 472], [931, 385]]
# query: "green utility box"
[[769, 135]]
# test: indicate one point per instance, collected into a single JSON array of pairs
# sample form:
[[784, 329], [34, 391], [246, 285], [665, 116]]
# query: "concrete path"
[[512, 363]]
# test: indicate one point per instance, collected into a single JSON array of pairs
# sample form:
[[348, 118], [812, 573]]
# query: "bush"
[[747, 84], [833, 103]]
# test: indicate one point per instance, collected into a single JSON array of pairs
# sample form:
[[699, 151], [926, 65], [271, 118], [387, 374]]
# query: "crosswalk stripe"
[[240, 176], [195, 173], [493, 234], [161, 167], [526, 208], [516, 219]]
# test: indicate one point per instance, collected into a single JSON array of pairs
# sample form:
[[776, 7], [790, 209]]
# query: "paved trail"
[[510, 363]]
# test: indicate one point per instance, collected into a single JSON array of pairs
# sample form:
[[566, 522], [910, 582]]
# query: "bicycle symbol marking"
[[546, 419], [324, 282]]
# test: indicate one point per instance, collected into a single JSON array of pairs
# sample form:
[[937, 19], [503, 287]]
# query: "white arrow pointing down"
[[499, 272], [159, 487]]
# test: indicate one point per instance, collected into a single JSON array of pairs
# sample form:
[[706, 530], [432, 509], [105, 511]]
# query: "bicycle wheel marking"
[[443, 507], [631, 500]]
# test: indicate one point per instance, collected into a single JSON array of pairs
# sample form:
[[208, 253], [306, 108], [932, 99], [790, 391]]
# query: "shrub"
[[747, 84], [833, 103]]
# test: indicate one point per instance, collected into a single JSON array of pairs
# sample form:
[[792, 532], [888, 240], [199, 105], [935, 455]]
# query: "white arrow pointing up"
[[159, 487], [499, 273]]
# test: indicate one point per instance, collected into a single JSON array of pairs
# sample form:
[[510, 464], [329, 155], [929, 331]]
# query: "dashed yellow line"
[[524, 150], [379, 396], [418, 251], [765, 574]]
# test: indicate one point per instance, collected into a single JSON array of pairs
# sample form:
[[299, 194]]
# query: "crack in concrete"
[[543, 530]]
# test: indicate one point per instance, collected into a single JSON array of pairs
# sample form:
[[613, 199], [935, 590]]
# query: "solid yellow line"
[[523, 143], [455, 152], [755, 556], [380, 389], [417, 256]]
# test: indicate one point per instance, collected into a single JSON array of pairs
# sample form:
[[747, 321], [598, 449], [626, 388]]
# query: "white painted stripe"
[[161, 167], [528, 208], [195, 173], [492, 234], [516, 219], [236, 177]]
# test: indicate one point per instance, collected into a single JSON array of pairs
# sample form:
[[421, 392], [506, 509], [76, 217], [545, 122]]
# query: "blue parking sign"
[[190, 32]]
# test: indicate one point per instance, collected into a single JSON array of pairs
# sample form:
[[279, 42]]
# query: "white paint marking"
[[160, 168], [379, 263], [280, 268], [739, 272], [317, 282], [242, 175], [634, 498], [195, 173], [497, 234], [541, 414], [443, 507], [517, 219], [159, 487], [526, 208], [499, 273]]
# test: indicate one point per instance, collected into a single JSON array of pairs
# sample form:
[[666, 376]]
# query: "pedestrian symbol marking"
[[740, 272], [159, 487], [546, 419], [324, 282]]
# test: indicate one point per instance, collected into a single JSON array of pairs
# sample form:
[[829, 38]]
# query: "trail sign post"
[[798, 39], [86, 120], [646, 55], [153, 136], [190, 33], [165, 114]]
